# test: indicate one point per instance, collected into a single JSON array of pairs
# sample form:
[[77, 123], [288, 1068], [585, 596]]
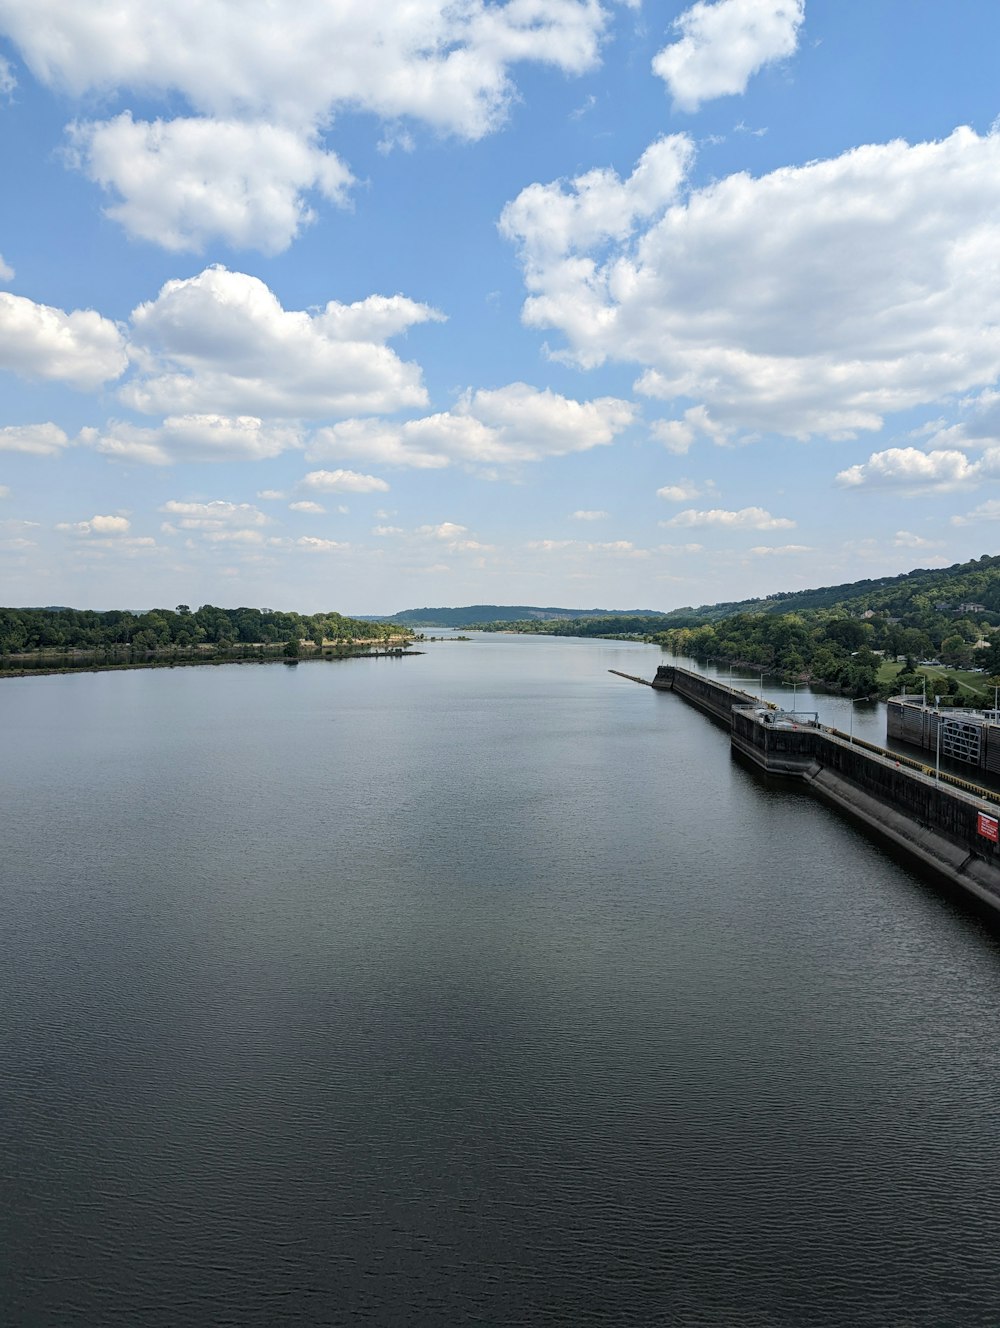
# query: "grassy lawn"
[[972, 684]]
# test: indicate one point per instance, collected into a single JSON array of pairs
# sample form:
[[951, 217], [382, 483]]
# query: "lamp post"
[[937, 761]]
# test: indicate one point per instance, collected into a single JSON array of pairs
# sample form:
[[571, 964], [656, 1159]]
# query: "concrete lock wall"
[[714, 698], [935, 824]]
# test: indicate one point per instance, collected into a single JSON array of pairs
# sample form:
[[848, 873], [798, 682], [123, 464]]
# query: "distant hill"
[[469, 614], [976, 581]]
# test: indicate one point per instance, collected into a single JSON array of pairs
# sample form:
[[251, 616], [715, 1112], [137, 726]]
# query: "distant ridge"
[[469, 614]]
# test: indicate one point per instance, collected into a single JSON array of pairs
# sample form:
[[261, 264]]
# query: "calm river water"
[[480, 987]]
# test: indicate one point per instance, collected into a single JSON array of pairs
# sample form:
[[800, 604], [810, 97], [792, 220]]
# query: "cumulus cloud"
[[377, 442], [779, 550], [678, 493], [905, 539], [240, 536], [722, 45], [239, 67], [34, 439], [97, 525], [306, 506], [213, 517], [6, 271], [221, 343], [588, 515], [316, 545], [446, 530], [988, 511], [747, 518], [625, 548], [443, 63], [911, 470], [8, 82], [343, 481], [79, 348], [184, 182], [195, 438], [814, 299], [506, 426]]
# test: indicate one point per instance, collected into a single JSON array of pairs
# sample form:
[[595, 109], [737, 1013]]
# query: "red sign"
[[989, 827]]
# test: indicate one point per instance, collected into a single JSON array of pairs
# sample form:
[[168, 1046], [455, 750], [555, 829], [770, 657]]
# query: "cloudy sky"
[[321, 304]]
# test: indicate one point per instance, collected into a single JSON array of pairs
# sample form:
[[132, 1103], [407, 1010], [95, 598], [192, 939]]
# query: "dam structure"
[[945, 826], [969, 736]]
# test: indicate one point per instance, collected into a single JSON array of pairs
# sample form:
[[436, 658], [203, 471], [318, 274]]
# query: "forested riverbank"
[[859, 639], [63, 640]]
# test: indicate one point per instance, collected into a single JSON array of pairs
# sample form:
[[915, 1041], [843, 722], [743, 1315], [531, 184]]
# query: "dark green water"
[[481, 987]]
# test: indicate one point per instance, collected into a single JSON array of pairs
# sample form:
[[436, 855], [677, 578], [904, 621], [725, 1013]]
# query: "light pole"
[[937, 762]]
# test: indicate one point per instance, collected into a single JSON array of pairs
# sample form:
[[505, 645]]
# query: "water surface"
[[478, 987]]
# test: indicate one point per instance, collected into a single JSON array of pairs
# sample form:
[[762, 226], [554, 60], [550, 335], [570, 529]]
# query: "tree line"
[[23, 630], [837, 636]]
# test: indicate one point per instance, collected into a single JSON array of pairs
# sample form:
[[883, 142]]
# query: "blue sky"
[[341, 306]]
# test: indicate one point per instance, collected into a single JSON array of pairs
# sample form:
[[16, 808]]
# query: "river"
[[477, 987]]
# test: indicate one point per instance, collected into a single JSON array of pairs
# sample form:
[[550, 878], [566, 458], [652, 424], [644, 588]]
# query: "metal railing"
[[984, 794]]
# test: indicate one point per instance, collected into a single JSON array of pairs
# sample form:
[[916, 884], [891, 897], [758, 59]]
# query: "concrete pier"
[[944, 825]]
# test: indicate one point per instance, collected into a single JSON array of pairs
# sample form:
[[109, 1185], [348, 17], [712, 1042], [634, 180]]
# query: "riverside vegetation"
[[937, 626], [67, 640]]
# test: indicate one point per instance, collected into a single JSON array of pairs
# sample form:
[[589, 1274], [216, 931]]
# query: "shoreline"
[[117, 666]]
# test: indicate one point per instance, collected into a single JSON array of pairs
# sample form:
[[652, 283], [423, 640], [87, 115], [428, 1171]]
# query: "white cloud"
[[528, 424], [447, 530], [292, 67], [910, 469], [585, 515], [316, 545], [306, 507], [905, 539], [7, 80], [377, 442], [988, 511], [343, 481], [779, 550], [722, 45], [79, 348], [747, 518], [97, 525], [678, 493], [217, 515], [625, 548], [220, 343], [6, 271], [34, 439], [195, 438], [442, 63], [241, 536], [185, 182], [720, 297], [272, 495], [506, 426]]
